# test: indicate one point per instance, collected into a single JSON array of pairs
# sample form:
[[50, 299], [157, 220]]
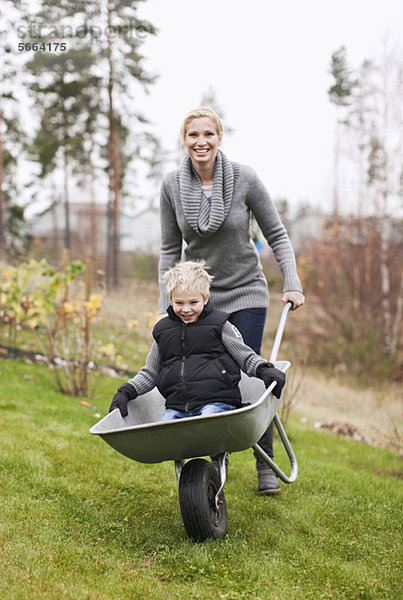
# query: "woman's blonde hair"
[[190, 276], [202, 111]]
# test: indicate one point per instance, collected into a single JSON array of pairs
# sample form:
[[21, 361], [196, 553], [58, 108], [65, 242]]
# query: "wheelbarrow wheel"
[[198, 485]]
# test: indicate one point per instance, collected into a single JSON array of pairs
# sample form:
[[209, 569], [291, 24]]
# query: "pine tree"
[[115, 33], [340, 95], [109, 34], [124, 65], [66, 93], [11, 134]]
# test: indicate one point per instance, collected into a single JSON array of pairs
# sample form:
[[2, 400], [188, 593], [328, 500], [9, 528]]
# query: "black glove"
[[268, 373], [125, 393]]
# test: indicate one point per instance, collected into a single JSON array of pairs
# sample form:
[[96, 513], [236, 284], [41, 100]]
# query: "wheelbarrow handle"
[[276, 420], [280, 331]]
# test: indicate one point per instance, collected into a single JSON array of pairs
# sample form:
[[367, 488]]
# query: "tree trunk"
[[384, 266], [109, 242], [55, 223], [2, 236], [116, 211], [93, 217], [336, 161], [397, 320], [112, 267], [67, 236]]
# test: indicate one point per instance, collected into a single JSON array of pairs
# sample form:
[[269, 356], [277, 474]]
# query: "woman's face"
[[202, 140]]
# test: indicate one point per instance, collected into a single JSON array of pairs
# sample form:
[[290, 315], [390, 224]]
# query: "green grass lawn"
[[79, 521]]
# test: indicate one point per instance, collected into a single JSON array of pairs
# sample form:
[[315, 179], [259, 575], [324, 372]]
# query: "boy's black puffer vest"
[[195, 366]]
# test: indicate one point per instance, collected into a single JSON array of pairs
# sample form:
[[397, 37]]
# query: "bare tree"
[[340, 95], [383, 176]]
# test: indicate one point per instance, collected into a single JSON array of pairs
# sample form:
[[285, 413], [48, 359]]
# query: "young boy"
[[196, 356]]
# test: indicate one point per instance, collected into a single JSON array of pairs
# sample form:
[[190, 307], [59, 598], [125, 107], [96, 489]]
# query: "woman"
[[207, 203]]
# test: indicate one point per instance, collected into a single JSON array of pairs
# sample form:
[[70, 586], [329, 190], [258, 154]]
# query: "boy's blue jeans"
[[207, 409]]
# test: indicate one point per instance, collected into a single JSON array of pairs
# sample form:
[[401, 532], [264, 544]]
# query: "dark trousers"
[[250, 322]]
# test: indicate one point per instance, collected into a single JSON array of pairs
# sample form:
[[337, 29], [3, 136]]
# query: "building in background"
[[140, 231]]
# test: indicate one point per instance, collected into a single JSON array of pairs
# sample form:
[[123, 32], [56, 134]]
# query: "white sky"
[[268, 62]]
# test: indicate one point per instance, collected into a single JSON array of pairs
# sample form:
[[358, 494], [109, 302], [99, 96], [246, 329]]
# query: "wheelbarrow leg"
[[222, 469], [178, 469], [286, 442], [221, 459]]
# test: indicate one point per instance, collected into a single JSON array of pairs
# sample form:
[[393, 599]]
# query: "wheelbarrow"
[[141, 437]]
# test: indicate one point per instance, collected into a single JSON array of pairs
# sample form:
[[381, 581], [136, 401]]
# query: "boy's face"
[[187, 304]]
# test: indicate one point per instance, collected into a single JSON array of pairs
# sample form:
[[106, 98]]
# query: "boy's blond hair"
[[190, 276], [202, 111]]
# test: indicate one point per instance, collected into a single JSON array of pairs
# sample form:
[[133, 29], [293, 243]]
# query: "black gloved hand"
[[268, 373], [125, 393]]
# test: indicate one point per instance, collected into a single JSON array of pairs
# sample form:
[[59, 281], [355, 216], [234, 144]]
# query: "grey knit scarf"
[[191, 195]]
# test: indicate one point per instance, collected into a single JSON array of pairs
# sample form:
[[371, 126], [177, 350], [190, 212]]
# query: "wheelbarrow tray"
[[141, 437]]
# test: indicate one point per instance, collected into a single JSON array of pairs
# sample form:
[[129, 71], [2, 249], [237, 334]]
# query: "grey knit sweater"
[[229, 254]]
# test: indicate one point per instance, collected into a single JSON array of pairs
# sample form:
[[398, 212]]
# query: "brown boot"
[[267, 480]]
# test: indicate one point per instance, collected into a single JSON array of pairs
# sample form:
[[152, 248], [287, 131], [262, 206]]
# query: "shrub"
[[35, 296], [358, 316]]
